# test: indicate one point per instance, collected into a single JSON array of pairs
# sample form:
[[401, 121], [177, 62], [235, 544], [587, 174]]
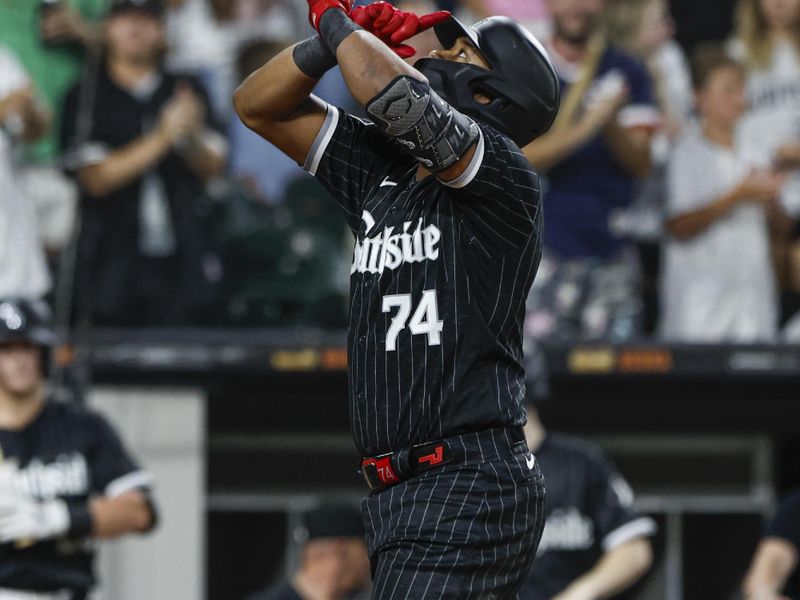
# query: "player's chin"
[[18, 379]]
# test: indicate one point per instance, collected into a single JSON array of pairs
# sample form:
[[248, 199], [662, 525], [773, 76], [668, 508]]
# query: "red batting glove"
[[316, 8], [394, 26]]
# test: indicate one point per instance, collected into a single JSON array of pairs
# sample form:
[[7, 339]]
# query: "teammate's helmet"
[[24, 320], [522, 83]]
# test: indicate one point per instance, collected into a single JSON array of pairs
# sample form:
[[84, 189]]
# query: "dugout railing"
[[708, 436]]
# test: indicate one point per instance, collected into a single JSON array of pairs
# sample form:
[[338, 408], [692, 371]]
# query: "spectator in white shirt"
[[718, 282], [767, 41], [23, 270]]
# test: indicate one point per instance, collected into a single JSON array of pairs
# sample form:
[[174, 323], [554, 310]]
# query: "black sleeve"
[[69, 120], [80, 141], [611, 506], [350, 158], [113, 470], [786, 522], [498, 194], [72, 147]]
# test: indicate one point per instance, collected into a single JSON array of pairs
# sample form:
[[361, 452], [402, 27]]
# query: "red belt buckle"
[[378, 471], [436, 457], [430, 456]]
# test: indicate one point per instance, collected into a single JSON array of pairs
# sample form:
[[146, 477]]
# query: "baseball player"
[[333, 559], [64, 476], [594, 545], [773, 573], [445, 213]]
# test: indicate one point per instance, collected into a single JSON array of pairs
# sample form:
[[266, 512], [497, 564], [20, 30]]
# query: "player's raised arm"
[[397, 97], [276, 100]]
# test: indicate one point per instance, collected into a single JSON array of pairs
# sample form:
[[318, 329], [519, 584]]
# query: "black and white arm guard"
[[431, 130]]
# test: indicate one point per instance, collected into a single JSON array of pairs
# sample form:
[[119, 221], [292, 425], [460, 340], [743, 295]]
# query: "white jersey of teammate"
[[23, 271], [773, 118], [718, 285]]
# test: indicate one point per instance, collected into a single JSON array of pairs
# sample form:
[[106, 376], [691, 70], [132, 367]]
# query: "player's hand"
[[394, 26], [25, 519], [182, 116], [603, 110], [760, 186], [788, 156], [316, 8], [63, 24], [18, 102]]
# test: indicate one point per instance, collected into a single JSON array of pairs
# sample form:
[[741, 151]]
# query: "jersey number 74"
[[425, 319]]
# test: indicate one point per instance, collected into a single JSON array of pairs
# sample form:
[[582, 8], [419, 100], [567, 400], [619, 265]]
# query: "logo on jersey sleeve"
[[393, 246], [622, 490]]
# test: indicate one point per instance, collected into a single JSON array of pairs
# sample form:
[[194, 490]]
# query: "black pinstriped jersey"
[[70, 453], [589, 511], [438, 284]]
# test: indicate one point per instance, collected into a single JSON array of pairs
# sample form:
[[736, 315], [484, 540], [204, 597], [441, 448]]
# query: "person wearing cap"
[[333, 561], [142, 144], [65, 477], [595, 544]]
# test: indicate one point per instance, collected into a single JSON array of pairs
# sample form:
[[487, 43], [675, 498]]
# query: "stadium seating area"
[[201, 292]]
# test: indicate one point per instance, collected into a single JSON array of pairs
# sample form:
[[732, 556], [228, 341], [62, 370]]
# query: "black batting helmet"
[[522, 83], [23, 320]]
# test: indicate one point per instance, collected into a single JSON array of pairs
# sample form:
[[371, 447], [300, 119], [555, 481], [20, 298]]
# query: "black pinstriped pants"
[[467, 531]]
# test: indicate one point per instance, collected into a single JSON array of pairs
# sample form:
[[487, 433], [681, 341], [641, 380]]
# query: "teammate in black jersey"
[[594, 544], [65, 477], [445, 213]]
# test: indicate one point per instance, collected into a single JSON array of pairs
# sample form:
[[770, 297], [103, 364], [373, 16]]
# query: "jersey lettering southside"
[[589, 511], [438, 284], [70, 453]]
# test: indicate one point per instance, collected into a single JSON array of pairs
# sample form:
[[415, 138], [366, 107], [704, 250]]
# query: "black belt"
[[389, 469]]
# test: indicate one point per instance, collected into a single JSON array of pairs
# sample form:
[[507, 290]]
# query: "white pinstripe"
[[514, 522], [427, 550], [452, 532], [492, 219]]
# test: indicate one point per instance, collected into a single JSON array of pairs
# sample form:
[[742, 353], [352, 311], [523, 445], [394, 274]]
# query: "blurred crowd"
[[131, 195]]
